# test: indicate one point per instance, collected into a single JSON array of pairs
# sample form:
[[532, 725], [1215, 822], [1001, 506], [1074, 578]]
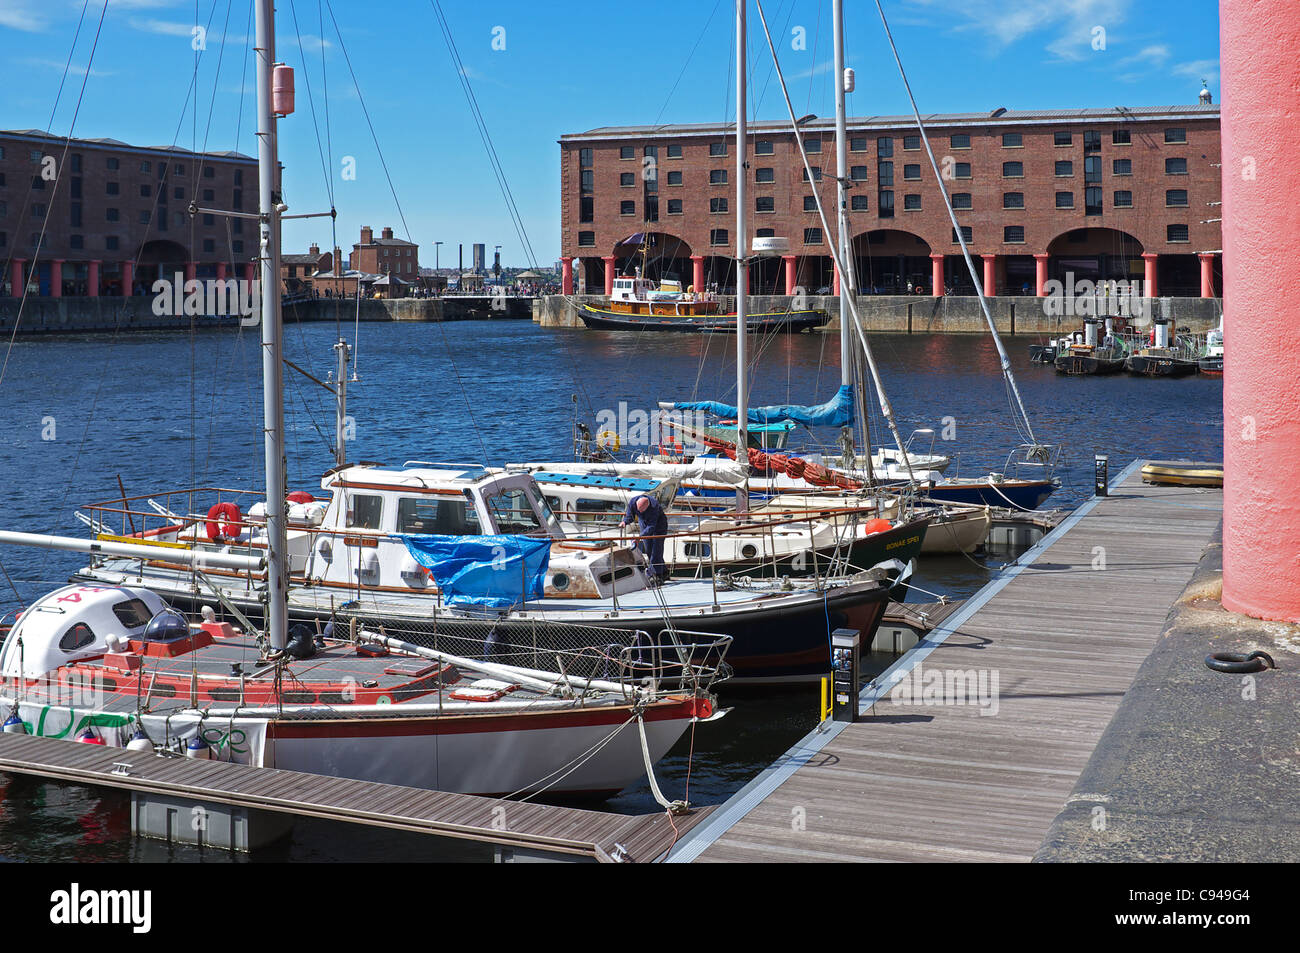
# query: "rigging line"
[[311, 102], [49, 210], [698, 40], [947, 201], [493, 158]]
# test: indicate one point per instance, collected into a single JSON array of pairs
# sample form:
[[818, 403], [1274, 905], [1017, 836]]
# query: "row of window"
[[113, 164], [1011, 235], [112, 243]]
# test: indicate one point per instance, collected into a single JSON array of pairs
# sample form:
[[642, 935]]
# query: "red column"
[[191, 269], [936, 276], [17, 277], [791, 273], [566, 275], [835, 280], [990, 276], [1040, 275], [1149, 260], [1260, 55], [1207, 274], [697, 272], [56, 278], [250, 272], [609, 274], [92, 278], [221, 271], [128, 278]]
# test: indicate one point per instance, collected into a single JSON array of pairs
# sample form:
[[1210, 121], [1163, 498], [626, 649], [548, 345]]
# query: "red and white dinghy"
[[117, 666]]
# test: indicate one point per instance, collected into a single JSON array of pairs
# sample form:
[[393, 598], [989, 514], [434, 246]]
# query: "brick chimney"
[[338, 261], [314, 250], [388, 233], [367, 235]]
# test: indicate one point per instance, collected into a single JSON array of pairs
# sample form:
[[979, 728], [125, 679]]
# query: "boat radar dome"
[[167, 626], [770, 246]]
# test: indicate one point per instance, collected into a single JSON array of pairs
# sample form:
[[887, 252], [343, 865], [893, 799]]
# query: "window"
[[111, 188], [765, 233], [717, 148], [674, 178], [885, 204], [74, 214], [1092, 200], [145, 167], [586, 209], [717, 177], [1013, 170], [717, 205], [967, 234], [816, 171], [110, 215], [675, 151], [77, 637], [627, 152], [961, 200], [587, 181], [858, 173], [512, 512], [717, 236], [809, 203], [441, 517], [111, 165], [1175, 167], [1121, 166], [239, 175], [145, 191], [364, 511], [1065, 200], [960, 140], [812, 146], [179, 169], [885, 173], [911, 203], [627, 207], [1176, 198], [858, 144], [1121, 137], [763, 148], [961, 170], [1175, 135], [911, 143], [110, 243], [812, 236], [626, 179], [911, 173], [858, 203], [1013, 235], [765, 174], [674, 206], [1064, 168], [1012, 140], [584, 158], [764, 203], [144, 219], [237, 245], [1013, 199], [1063, 138], [1123, 199], [210, 246], [586, 239], [208, 172], [885, 147], [1091, 141], [1177, 233], [76, 241], [177, 194]]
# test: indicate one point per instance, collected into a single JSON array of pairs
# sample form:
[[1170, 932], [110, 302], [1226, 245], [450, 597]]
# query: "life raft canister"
[[224, 521], [873, 526], [300, 496]]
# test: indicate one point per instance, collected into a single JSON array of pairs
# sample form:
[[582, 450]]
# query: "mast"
[[341, 404], [277, 573], [841, 196], [742, 265]]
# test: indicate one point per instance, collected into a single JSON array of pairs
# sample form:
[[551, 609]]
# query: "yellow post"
[[825, 708]]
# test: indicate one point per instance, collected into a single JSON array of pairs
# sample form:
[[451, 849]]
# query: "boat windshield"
[[513, 513], [449, 517]]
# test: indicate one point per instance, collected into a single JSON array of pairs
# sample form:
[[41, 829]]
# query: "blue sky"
[[542, 69]]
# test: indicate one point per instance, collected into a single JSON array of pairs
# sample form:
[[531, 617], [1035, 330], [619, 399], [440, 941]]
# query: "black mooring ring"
[[1236, 662]]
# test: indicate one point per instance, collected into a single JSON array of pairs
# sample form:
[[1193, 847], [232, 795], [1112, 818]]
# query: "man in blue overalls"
[[652, 522]]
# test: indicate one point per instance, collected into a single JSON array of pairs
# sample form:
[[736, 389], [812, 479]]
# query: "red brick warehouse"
[[1113, 193]]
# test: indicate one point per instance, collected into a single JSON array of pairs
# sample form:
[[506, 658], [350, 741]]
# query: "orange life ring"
[[224, 521]]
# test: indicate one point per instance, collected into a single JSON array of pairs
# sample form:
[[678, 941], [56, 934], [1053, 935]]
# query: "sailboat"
[[114, 664]]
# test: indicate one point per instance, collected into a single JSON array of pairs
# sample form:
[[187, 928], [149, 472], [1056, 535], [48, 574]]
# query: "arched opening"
[[1097, 254], [891, 261], [658, 255], [159, 258]]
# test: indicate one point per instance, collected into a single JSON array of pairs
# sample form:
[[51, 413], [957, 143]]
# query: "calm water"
[[165, 410]]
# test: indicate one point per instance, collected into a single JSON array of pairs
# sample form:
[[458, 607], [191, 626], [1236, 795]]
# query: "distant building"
[[1101, 193], [115, 217], [385, 255], [297, 271], [480, 258]]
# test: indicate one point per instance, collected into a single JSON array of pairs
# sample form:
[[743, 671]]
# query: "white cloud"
[[310, 42], [74, 69], [18, 15], [1071, 24], [1207, 70]]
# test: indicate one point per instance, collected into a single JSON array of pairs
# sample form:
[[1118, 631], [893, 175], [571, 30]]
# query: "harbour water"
[[169, 410]]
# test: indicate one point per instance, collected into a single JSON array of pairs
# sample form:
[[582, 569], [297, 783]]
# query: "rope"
[[672, 807]]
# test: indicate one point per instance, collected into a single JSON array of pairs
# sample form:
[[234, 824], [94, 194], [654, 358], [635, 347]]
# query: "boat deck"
[[1058, 636]]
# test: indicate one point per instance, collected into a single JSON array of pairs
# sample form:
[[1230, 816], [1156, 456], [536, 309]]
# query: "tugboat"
[[1211, 360], [638, 304], [1089, 357], [1159, 358]]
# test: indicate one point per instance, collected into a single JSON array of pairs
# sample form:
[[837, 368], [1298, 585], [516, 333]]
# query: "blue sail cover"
[[494, 572], [836, 412]]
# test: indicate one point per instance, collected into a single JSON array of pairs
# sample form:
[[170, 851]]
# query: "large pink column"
[[17, 277], [990, 276], [1260, 55], [936, 276], [221, 271], [609, 274], [1040, 275], [56, 278], [128, 278], [835, 280], [191, 270], [1149, 261], [697, 272], [92, 278], [1207, 274], [566, 274]]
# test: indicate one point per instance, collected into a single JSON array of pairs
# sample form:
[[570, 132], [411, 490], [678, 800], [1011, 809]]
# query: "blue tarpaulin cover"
[[495, 572], [836, 412]]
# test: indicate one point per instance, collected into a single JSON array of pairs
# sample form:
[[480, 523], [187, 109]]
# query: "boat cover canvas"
[[836, 412], [494, 572]]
